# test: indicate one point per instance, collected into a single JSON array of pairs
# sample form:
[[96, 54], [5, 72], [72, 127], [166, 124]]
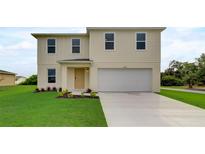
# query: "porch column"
[[64, 77]]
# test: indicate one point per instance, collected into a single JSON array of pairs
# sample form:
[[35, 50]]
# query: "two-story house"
[[102, 59]]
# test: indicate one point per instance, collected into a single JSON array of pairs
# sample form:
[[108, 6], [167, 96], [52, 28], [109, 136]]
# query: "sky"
[[18, 49]]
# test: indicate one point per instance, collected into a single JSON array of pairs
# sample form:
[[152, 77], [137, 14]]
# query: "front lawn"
[[20, 107], [186, 97]]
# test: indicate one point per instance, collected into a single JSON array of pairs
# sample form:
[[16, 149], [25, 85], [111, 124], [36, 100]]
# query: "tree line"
[[184, 73]]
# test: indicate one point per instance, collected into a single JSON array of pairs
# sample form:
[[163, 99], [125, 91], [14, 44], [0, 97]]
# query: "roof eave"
[[36, 35], [74, 62], [125, 28]]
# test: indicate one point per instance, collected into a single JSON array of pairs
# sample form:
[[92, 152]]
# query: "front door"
[[79, 78]]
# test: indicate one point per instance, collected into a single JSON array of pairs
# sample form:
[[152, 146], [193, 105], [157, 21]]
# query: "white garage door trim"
[[132, 79]]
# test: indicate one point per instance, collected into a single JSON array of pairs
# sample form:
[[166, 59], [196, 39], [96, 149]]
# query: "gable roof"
[[6, 72]]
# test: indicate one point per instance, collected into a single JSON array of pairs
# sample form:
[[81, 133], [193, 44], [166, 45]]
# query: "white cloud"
[[18, 49], [21, 45], [182, 44]]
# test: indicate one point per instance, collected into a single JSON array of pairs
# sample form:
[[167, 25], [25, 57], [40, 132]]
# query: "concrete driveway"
[[149, 109]]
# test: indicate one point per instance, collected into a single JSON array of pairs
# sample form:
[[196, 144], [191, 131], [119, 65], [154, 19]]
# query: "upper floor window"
[[141, 41], [109, 41], [51, 45], [52, 75], [75, 45]]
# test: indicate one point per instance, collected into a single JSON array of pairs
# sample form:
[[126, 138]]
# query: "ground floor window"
[[52, 75]]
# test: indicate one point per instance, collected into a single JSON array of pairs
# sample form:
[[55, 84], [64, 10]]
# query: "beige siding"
[[125, 54], [125, 47], [7, 79], [63, 51]]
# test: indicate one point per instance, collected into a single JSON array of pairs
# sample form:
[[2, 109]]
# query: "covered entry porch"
[[75, 74]]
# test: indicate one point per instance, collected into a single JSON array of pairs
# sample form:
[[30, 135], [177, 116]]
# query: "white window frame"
[[141, 41], [49, 45], [52, 75], [75, 45], [109, 41]]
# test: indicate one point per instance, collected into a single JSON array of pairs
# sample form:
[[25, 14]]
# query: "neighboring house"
[[103, 59], [7, 78], [20, 79]]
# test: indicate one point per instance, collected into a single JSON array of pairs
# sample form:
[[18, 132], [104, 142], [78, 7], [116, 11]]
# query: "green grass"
[[186, 97], [20, 107]]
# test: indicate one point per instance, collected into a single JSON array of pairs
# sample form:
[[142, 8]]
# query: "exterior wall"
[[7, 79], [20, 80], [125, 54], [125, 47], [63, 51]]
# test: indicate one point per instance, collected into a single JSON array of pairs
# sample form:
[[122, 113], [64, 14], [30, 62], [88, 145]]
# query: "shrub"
[[60, 94], [48, 88], [37, 90], [88, 90], [65, 91], [32, 80], [42, 89], [169, 80], [93, 94], [82, 94], [60, 89], [70, 95], [54, 89]]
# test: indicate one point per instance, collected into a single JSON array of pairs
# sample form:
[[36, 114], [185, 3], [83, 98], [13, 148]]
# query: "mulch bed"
[[78, 97]]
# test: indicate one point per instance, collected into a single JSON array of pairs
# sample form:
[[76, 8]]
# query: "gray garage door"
[[124, 79]]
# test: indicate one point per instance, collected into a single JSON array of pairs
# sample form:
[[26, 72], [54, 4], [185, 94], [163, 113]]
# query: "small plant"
[[37, 90], [54, 89], [65, 91], [60, 94], [82, 94], [48, 89], [70, 95], [60, 89], [93, 94], [88, 90], [42, 89]]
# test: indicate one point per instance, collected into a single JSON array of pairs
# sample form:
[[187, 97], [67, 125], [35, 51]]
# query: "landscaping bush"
[[171, 81], [88, 90], [48, 89], [37, 90], [54, 89], [32, 80], [42, 89], [60, 89], [93, 94]]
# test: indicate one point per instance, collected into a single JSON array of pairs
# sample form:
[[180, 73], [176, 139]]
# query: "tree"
[[201, 68], [190, 73], [175, 69], [32, 80]]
